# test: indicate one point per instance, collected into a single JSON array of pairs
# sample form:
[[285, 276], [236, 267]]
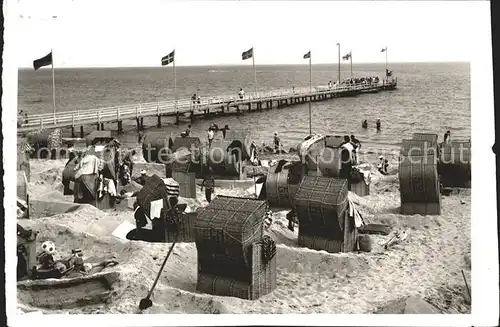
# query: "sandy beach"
[[426, 265]]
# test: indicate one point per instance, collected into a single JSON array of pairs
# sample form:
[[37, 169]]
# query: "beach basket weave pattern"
[[186, 231], [320, 203], [261, 281], [228, 227]]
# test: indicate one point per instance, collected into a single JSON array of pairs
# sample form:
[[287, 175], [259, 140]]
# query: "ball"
[[48, 247]]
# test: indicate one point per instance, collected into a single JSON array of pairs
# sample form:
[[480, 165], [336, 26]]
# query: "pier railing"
[[172, 107]]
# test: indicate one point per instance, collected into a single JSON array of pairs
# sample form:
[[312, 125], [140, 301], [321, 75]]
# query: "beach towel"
[[89, 165], [107, 186], [85, 182], [354, 213], [155, 209]]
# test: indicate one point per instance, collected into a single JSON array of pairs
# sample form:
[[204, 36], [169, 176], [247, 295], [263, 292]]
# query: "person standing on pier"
[[330, 84], [378, 124], [241, 94], [209, 185]]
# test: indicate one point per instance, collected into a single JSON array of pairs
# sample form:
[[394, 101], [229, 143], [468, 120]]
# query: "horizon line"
[[241, 65]]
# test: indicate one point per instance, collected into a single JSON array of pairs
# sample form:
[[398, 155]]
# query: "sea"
[[430, 98]]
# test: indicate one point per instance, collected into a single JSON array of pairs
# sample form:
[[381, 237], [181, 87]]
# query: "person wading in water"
[[209, 185]]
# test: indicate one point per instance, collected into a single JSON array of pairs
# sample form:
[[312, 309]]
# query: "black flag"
[[168, 58], [44, 61], [247, 54], [307, 55]]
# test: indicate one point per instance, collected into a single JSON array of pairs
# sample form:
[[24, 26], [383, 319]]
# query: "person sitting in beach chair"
[[447, 138], [241, 94], [383, 165], [277, 143]]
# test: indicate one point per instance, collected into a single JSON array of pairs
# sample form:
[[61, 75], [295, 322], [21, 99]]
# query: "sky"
[[136, 33]]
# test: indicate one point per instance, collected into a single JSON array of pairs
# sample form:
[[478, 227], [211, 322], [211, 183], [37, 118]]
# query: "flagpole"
[[338, 44], [350, 56], [254, 71], [175, 82], [53, 84], [310, 91], [385, 58]]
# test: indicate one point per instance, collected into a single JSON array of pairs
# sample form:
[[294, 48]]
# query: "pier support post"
[[102, 126], [120, 127], [98, 126], [158, 124], [177, 119], [138, 122], [81, 132], [238, 108], [142, 123], [72, 132]]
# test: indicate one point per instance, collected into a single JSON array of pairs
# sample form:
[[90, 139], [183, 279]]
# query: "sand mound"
[[426, 265]]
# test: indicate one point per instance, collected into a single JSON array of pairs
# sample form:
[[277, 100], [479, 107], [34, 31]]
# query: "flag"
[[44, 61], [307, 55], [347, 56], [247, 54], [388, 72], [384, 49], [168, 58]]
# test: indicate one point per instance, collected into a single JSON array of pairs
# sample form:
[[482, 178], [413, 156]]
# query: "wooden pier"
[[188, 109]]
